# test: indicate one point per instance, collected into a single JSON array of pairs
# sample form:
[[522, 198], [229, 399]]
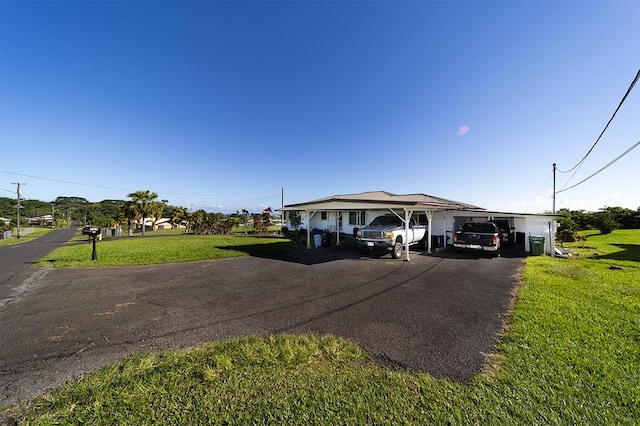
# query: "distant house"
[[162, 223], [40, 219], [5, 220]]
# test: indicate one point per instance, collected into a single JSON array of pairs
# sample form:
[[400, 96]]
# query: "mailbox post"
[[92, 232]]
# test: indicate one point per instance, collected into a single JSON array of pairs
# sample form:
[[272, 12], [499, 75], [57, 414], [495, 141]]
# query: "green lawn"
[[250, 229], [157, 248], [38, 232], [621, 245], [571, 355]]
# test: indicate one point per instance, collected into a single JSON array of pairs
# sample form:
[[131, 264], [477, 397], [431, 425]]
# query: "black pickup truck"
[[484, 236]]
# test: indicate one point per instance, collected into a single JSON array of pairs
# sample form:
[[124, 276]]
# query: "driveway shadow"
[[282, 251], [508, 253], [348, 250]]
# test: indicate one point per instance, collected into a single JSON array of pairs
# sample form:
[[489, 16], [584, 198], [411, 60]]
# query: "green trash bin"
[[536, 245]]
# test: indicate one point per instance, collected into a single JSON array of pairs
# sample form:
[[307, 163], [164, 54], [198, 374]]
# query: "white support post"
[[429, 214], [308, 229], [309, 216], [444, 228], [407, 218], [338, 214]]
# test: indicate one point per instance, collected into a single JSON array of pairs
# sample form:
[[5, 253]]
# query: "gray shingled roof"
[[383, 197]]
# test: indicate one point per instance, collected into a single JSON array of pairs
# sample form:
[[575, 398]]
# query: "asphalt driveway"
[[437, 314], [16, 260]]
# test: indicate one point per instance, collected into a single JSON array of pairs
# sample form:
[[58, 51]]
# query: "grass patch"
[[620, 245], [570, 356], [161, 249], [38, 232], [250, 229]]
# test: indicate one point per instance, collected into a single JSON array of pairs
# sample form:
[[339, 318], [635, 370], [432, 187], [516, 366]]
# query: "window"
[[352, 218], [422, 219], [357, 218], [324, 215]]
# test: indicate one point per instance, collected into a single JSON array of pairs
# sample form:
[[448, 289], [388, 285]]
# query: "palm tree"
[[155, 211], [128, 214], [142, 203], [181, 217]]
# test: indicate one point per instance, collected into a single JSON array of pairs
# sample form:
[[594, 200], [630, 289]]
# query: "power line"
[[542, 187], [577, 166], [129, 189], [608, 164], [65, 181]]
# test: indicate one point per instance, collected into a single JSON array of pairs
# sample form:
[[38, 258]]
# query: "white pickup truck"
[[388, 233]]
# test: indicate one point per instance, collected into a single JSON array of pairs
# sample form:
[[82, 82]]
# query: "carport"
[[443, 216], [525, 224], [362, 207]]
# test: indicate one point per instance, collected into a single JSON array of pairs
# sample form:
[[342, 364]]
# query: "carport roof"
[[376, 199], [493, 213]]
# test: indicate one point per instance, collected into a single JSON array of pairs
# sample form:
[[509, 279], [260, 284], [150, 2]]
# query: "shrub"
[[606, 223], [567, 229]]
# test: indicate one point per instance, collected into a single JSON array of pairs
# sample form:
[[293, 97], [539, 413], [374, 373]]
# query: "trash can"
[[536, 245], [326, 239], [317, 239]]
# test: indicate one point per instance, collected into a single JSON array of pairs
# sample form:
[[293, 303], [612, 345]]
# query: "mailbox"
[[92, 231]]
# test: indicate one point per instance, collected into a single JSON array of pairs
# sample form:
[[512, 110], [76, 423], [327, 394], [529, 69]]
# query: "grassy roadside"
[[161, 249], [570, 356], [38, 232]]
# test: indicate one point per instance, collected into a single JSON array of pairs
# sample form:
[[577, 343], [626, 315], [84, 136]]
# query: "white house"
[[346, 213], [162, 223]]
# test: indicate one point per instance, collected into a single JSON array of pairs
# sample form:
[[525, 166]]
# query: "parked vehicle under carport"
[[388, 233], [482, 236]]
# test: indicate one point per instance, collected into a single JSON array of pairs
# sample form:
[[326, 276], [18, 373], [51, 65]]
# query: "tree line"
[[606, 220], [143, 206]]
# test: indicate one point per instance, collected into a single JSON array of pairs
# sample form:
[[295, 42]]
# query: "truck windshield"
[[386, 220], [479, 227]]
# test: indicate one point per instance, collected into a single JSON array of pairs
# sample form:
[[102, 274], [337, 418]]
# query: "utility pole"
[[554, 188], [282, 206], [18, 206]]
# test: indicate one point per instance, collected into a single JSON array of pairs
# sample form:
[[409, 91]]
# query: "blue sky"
[[218, 105]]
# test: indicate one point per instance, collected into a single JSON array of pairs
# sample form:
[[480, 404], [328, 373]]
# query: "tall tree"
[[143, 200], [181, 216], [155, 211], [245, 220], [128, 214], [262, 221]]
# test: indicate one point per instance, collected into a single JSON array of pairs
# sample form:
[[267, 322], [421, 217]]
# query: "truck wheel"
[[396, 253], [423, 244]]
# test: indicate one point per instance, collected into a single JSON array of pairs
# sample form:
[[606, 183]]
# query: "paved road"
[[437, 313], [16, 261]]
